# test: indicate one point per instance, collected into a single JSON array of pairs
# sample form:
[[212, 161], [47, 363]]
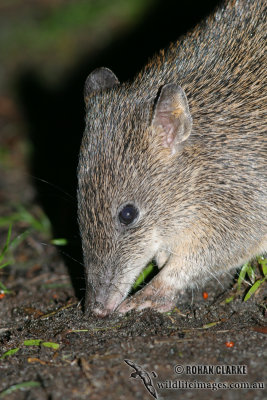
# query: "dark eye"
[[128, 214]]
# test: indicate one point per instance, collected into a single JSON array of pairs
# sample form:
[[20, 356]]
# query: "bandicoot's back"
[[173, 165]]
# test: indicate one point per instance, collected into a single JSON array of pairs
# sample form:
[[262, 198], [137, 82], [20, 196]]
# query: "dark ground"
[[46, 283]]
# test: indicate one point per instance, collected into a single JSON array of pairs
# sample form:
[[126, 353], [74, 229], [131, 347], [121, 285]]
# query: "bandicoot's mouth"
[[111, 304]]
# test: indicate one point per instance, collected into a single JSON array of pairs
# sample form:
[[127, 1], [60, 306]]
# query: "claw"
[[147, 299]]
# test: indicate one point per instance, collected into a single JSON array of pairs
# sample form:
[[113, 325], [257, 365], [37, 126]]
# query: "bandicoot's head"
[[127, 163]]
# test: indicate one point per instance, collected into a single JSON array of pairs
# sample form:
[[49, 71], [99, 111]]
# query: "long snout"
[[103, 301]]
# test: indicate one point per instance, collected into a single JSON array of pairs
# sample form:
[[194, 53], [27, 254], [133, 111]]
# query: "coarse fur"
[[201, 194]]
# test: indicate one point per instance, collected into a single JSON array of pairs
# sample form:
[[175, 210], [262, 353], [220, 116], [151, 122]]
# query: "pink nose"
[[105, 306], [100, 312]]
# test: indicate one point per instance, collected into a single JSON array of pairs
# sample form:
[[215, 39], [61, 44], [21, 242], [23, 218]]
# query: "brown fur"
[[202, 199]]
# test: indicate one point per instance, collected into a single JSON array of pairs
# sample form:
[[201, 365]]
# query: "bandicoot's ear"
[[172, 119], [100, 78]]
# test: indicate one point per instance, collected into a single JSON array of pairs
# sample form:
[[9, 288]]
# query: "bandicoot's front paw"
[[149, 297]]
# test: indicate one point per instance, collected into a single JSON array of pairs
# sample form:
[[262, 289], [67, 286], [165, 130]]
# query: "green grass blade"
[[141, 278], [19, 386], [59, 242], [5, 264], [6, 246], [242, 275], [3, 287], [9, 353], [263, 262], [254, 288], [251, 274], [32, 342], [19, 239], [51, 345]]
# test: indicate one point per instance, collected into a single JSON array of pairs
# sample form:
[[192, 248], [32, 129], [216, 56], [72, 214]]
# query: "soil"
[[204, 342]]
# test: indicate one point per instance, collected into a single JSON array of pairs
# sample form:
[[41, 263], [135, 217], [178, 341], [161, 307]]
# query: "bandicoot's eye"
[[128, 214]]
